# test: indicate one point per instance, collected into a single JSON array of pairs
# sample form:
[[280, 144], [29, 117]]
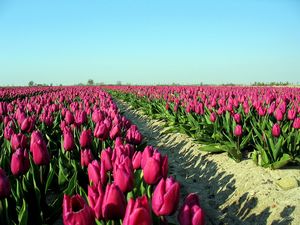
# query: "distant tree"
[[119, 83], [30, 83], [90, 82]]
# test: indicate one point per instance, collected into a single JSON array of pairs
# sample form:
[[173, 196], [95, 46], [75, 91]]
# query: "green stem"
[[41, 175]]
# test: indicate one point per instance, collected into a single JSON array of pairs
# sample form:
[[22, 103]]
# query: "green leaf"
[[264, 157], [72, 185], [83, 193], [245, 140], [254, 156], [49, 178], [62, 177], [213, 148], [23, 214], [285, 159]]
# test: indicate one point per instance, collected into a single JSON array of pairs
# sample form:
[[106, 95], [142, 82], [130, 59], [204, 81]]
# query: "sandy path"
[[230, 193]]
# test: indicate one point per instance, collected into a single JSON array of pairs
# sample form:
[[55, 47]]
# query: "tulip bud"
[[114, 203], [4, 184], [86, 157], [69, 117], [276, 130], [238, 131], [137, 212], [76, 211], [291, 114], [115, 131], [28, 124], [8, 132], [18, 141], [85, 138], [262, 111], [97, 173], [147, 153], [155, 168], [123, 175], [19, 162], [38, 148], [278, 115], [237, 118], [213, 117], [133, 136], [68, 139], [165, 197], [80, 117], [191, 213], [296, 123], [101, 131], [136, 160], [106, 155]]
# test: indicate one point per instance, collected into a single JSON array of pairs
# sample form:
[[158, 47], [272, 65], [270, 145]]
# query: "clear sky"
[[149, 41]]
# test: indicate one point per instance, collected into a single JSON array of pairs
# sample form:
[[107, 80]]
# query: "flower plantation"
[[260, 122], [67, 152]]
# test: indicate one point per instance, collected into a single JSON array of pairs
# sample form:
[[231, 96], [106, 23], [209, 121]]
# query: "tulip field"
[[68, 154], [258, 122]]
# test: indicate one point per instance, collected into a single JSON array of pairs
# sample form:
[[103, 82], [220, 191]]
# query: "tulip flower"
[[68, 139], [165, 197], [101, 131], [18, 141], [86, 156], [97, 173], [114, 203], [237, 118], [76, 211], [238, 131], [80, 117], [106, 156], [3, 108], [276, 130], [155, 168], [115, 131], [4, 184], [147, 153], [38, 148], [296, 123], [28, 124], [136, 160], [291, 114], [97, 116], [190, 212], [19, 162], [213, 117], [95, 196], [278, 115], [138, 212], [85, 139], [8, 132], [133, 136], [69, 117], [123, 174]]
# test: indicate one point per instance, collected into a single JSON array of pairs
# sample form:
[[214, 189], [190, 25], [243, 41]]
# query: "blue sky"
[[149, 42]]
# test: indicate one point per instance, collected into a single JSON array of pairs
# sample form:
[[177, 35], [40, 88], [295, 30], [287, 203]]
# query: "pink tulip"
[[138, 212], [190, 212], [165, 197], [76, 211]]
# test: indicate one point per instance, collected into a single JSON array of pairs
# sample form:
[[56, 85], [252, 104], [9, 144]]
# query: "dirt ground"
[[230, 192]]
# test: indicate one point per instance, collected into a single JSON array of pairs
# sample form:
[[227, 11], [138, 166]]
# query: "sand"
[[230, 192]]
